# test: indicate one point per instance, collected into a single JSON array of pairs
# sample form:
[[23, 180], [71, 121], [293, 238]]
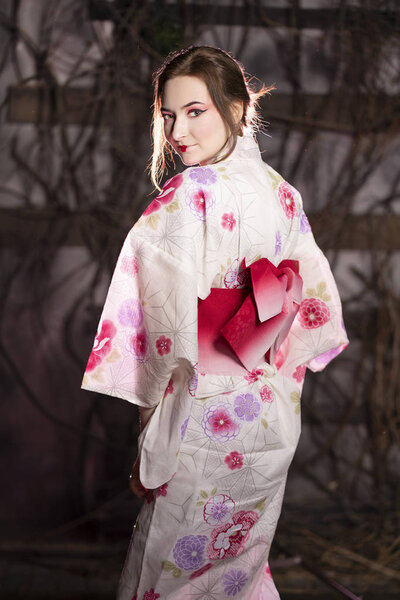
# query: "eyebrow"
[[184, 106]]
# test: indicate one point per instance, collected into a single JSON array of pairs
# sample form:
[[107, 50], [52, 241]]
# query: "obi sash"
[[239, 328]]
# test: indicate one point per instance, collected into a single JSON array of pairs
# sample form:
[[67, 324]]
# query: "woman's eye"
[[196, 110], [165, 115]]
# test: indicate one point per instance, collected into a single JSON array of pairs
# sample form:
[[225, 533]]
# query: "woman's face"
[[192, 124]]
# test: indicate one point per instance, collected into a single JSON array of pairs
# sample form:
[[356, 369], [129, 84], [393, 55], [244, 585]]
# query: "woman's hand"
[[134, 482]]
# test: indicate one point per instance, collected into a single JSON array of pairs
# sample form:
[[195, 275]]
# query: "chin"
[[189, 163]]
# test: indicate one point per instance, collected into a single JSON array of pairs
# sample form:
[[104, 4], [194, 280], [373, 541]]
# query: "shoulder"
[[288, 196], [192, 193]]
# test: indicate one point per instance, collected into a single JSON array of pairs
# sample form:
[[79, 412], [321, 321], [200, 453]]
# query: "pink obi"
[[240, 328]]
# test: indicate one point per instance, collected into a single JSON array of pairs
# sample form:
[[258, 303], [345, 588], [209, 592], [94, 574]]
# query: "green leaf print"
[[319, 292], [276, 178], [295, 397], [213, 492], [200, 503], [152, 221], [203, 494], [264, 423], [260, 505], [172, 207], [169, 566]]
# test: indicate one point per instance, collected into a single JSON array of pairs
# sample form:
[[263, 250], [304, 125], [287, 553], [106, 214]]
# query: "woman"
[[219, 301]]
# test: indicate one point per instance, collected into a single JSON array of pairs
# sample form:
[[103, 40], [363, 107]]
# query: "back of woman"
[[219, 302]]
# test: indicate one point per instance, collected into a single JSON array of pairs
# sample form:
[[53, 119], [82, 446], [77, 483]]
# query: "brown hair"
[[226, 83]]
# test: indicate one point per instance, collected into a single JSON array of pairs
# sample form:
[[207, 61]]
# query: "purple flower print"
[[138, 345], [203, 175], [326, 357], [246, 407], [184, 427], [219, 424], [233, 581], [218, 509], [230, 278], [201, 201], [188, 551], [304, 223], [130, 313], [193, 383], [278, 242]]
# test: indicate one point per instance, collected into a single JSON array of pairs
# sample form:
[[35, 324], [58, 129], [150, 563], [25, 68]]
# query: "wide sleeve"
[[318, 333], [147, 326]]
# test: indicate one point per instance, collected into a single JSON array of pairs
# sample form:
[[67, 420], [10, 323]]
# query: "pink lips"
[[183, 148]]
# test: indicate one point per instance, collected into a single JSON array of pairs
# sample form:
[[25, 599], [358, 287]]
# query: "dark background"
[[75, 142]]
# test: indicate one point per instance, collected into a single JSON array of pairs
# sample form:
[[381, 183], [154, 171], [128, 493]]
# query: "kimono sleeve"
[[147, 327], [318, 333]]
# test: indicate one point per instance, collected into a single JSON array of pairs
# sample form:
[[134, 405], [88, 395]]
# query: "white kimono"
[[216, 451]]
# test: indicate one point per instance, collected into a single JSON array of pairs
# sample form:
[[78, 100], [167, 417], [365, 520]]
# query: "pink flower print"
[[286, 197], [218, 423], [218, 509], [130, 313], [313, 313], [150, 595], [134, 597], [166, 196], [234, 460], [247, 518], [162, 490], [268, 571], [102, 344], [299, 373], [246, 407], [170, 388], [139, 344], [253, 375], [267, 395], [130, 265], [228, 540], [201, 202], [200, 571], [149, 495], [228, 221], [163, 345], [189, 550]]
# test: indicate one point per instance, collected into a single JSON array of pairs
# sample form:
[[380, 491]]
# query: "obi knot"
[[240, 328]]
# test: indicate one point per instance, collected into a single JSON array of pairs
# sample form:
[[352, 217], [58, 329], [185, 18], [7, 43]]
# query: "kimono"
[[215, 454]]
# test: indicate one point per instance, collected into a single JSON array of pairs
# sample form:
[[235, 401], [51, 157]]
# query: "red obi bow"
[[240, 328]]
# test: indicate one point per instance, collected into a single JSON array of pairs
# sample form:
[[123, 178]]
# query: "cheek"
[[167, 128], [211, 126]]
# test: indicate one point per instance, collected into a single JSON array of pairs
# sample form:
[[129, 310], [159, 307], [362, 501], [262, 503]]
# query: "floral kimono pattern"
[[216, 451]]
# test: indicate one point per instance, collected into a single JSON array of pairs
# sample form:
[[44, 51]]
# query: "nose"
[[179, 129]]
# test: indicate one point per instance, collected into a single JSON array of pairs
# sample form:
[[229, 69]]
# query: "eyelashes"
[[195, 110]]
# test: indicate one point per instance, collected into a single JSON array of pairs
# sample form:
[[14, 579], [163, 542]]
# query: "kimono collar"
[[246, 148]]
